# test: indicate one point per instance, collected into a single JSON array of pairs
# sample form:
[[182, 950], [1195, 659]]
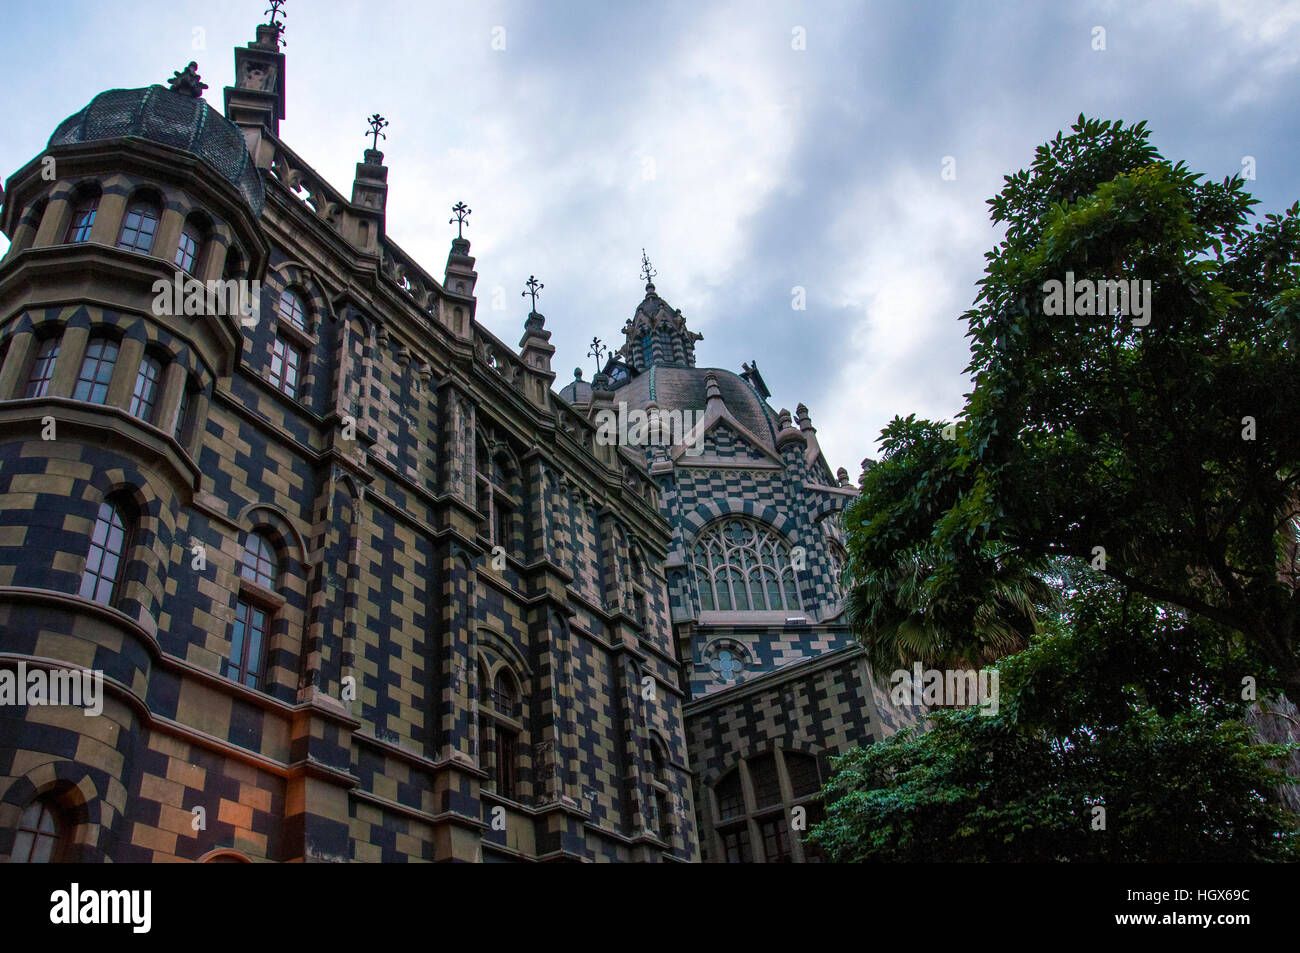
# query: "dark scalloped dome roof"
[[685, 388], [170, 119]]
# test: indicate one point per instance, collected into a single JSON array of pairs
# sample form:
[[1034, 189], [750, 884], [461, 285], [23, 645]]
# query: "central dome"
[[171, 119], [686, 388]]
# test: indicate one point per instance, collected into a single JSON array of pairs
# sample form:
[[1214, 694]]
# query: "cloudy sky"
[[750, 147]]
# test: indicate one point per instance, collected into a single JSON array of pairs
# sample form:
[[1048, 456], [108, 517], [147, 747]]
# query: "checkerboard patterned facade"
[[466, 642], [380, 595]]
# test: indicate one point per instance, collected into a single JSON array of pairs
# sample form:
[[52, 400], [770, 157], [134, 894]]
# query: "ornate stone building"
[[359, 584]]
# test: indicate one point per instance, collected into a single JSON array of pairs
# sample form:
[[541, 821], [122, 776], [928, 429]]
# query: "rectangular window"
[[247, 637], [182, 411], [507, 745], [776, 840], [38, 382], [285, 360], [96, 371], [502, 518], [735, 844]]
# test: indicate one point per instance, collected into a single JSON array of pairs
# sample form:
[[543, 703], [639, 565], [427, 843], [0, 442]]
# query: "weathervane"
[[461, 211], [647, 272], [377, 122], [596, 350], [533, 286]]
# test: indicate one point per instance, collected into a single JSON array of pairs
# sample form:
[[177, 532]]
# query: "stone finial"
[[801, 415], [187, 82], [783, 418], [711, 388], [842, 475]]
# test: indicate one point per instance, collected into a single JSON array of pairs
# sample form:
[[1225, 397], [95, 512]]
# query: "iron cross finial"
[[533, 286], [275, 11], [596, 350], [647, 272], [462, 212], [377, 122]]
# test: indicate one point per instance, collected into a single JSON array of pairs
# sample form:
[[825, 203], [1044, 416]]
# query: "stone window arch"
[[744, 565], [500, 726]]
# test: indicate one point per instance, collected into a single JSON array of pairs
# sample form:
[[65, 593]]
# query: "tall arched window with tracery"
[[743, 565]]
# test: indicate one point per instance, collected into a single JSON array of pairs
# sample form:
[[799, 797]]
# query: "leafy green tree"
[[1114, 740], [1157, 444], [1166, 453]]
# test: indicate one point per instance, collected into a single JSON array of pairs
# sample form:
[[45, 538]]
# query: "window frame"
[[59, 839], [281, 348], [138, 402], [46, 381], [85, 203], [724, 566], [125, 524], [91, 384], [137, 206]]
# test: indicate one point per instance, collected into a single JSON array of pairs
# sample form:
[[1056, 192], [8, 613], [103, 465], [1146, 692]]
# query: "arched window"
[[743, 565], [660, 786], [505, 693], [84, 207], [190, 248], [291, 309], [496, 494], [144, 397], [254, 610], [104, 560], [499, 725], [96, 370], [42, 834], [140, 225], [42, 371], [259, 563], [758, 815], [638, 582], [234, 266]]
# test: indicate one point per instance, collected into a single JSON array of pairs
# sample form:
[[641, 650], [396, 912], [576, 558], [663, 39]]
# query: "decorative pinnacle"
[[533, 286], [187, 81], [376, 123], [647, 272], [596, 350], [462, 212]]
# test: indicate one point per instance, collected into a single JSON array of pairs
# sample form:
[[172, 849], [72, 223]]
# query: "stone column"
[[16, 361], [54, 223], [108, 219], [122, 383], [72, 349], [173, 385]]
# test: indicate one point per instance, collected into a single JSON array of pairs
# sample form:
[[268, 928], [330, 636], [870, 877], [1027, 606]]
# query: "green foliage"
[[1118, 704], [1085, 439], [1085, 431]]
